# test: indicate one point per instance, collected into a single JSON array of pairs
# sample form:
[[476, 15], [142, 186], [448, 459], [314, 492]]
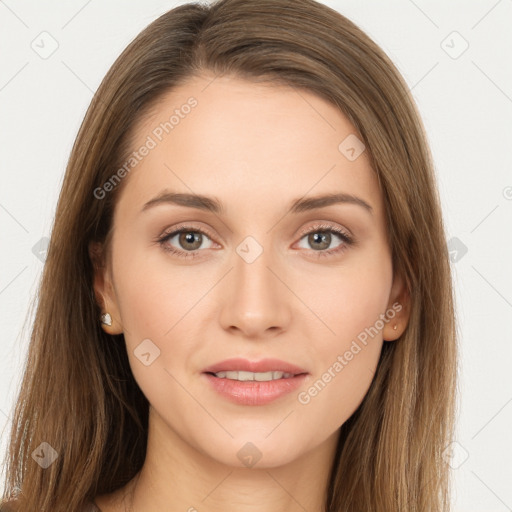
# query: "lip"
[[264, 365], [254, 392]]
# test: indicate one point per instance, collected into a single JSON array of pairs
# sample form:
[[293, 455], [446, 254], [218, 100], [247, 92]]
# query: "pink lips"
[[265, 365], [254, 392]]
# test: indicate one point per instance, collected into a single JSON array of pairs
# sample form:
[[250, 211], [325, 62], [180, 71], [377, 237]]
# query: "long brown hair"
[[78, 393]]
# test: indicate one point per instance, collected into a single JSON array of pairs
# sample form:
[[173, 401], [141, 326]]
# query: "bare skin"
[[256, 148]]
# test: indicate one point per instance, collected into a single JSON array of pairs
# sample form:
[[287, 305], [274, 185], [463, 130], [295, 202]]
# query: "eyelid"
[[184, 226], [319, 225], [326, 226]]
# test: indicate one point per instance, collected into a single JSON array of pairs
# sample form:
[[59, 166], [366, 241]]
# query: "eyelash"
[[320, 228]]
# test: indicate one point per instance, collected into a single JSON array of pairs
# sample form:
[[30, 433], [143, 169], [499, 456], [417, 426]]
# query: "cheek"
[[348, 300], [340, 386], [346, 355], [153, 295], [160, 305]]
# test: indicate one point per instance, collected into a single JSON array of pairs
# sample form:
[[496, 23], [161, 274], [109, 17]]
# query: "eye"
[[186, 241], [320, 237], [189, 240]]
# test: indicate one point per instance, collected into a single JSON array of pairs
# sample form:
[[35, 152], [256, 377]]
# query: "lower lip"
[[254, 392]]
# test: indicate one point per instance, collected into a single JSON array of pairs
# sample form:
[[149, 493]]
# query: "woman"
[[247, 298]]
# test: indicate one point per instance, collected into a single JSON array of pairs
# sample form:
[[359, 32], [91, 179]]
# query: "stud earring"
[[106, 319], [395, 327]]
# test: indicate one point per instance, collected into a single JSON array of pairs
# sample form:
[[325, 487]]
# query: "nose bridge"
[[255, 301]]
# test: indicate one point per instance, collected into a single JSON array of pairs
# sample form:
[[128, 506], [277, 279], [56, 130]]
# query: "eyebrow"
[[212, 204]]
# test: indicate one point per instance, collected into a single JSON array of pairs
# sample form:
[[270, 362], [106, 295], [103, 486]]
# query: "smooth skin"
[[256, 148]]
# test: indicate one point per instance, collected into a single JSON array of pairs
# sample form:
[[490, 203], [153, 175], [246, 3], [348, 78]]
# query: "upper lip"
[[264, 365]]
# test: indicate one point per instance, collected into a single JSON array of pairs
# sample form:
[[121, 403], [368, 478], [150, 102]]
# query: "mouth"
[[243, 376], [247, 368], [254, 383]]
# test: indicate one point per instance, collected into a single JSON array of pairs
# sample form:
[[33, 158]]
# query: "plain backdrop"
[[456, 58]]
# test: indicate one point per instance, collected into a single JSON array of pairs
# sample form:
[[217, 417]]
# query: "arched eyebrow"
[[214, 205], [211, 204], [313, 203]]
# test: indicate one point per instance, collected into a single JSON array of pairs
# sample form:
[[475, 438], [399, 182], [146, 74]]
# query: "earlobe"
[[392, 331], [398, 310], [103, 291], [111, 324]]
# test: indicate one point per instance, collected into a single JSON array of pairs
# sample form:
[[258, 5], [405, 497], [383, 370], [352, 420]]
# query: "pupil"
[[321, 237], [191, 238]]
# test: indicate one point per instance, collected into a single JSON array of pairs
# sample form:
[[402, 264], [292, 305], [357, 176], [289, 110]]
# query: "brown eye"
[[185, 242], [190, 240], [319, 240]]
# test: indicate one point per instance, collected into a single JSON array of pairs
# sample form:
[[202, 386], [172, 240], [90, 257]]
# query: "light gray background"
[[465, 98]]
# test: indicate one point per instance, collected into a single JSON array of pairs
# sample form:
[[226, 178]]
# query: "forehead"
[[250, 144]]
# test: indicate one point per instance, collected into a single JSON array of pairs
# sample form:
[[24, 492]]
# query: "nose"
[[255, 299]]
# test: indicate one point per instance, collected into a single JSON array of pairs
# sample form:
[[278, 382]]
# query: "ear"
[[400, 305], [104, 289]]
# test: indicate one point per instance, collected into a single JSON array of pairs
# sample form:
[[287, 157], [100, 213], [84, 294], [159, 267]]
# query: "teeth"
[[258, 376]]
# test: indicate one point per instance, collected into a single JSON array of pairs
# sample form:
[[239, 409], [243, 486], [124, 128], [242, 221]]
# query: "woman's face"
[[262, 269]]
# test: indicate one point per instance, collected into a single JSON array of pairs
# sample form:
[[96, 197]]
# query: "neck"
[[176, 476]]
